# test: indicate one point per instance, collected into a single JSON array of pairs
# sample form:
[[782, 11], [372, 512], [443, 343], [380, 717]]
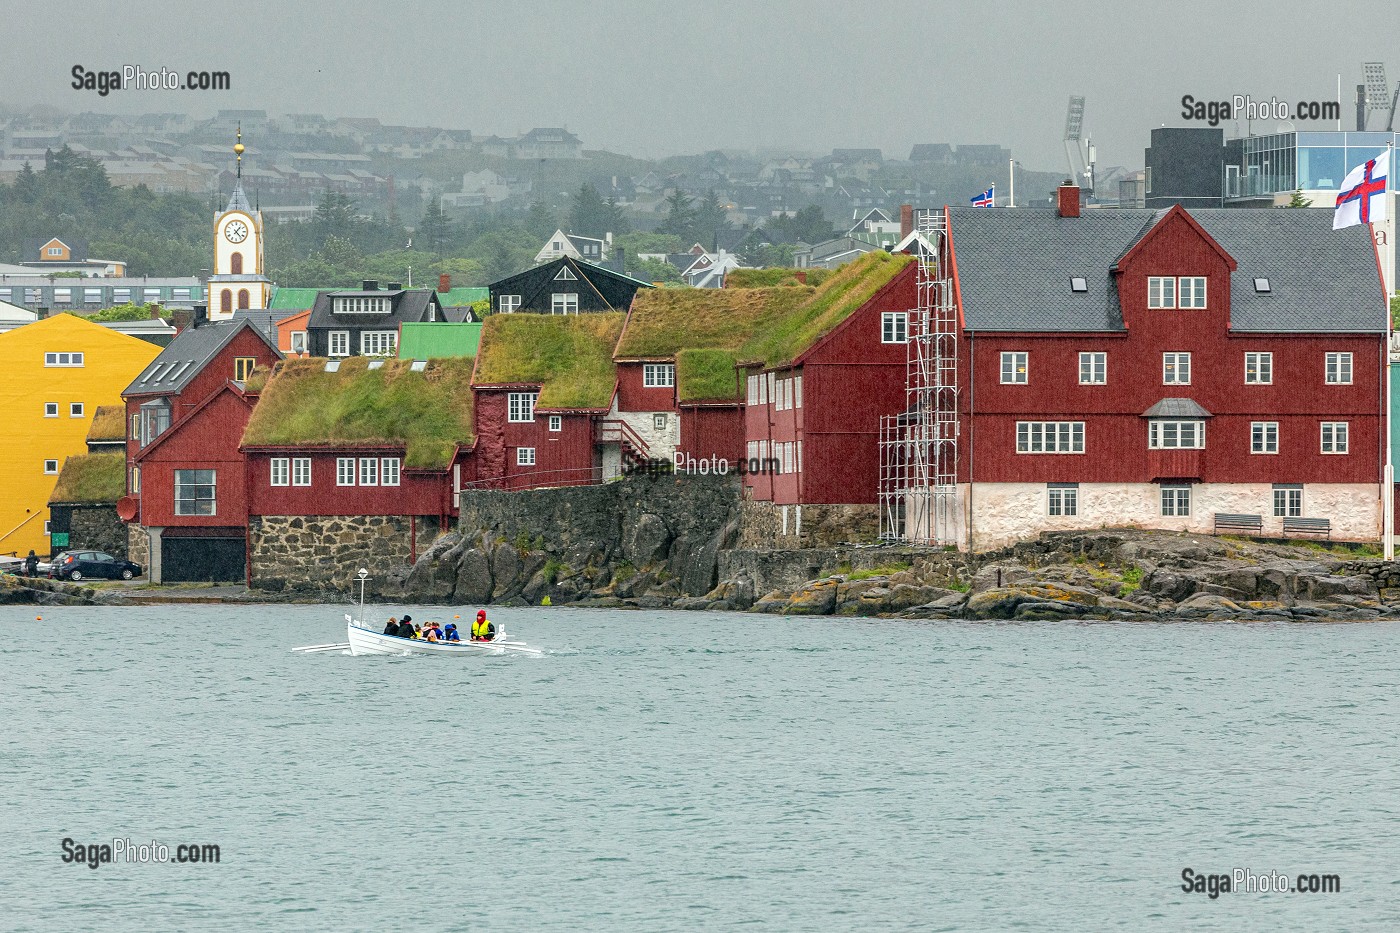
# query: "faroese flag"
[[1362, 199]]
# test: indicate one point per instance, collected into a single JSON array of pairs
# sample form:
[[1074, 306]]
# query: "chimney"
[[155, 311], [1069, 199], [801, 276], [444, 283], [200, 317], [394, 286], [906, 220], [620, 260], [370, 285], [1361, 108], [42, 312], [181, 319]]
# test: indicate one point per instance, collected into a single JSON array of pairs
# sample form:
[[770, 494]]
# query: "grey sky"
[[653, 79]]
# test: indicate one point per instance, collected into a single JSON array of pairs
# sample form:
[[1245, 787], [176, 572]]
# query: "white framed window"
[[1334, 437], [1339, 369], [658, 421], [1263, 437], [894, 327], [563, 303], [362, 304], [1063, 499], [556, 422], [508, 304], [1176, 369], [1191, 291], [521, 406], [55, 250], [659, 375], [369, 471], [1258, 368], [339, 343], [389, 471], [1014, 367], [1176, 501], [1093, 369], [524, 456], [797, 392], [298, 341], [63, 359], [566, 275], [48, 527], [1049, 437], [1288, 500], [195, 492], [301, 471], [135, 479], [345, 471], [135, 425], [379, 342], [753, 390], [51, 410], [63, 296], [281, 471], [1161, 291], [121, 296], [50, 467], [1176, 435], [93, 296]]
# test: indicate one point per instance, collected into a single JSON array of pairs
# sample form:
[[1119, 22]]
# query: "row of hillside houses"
[[1152, 368]]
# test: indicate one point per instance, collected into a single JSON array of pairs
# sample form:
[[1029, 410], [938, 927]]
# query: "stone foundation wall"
[[766, 526], [318, 554], [95, 528], [138, 546]]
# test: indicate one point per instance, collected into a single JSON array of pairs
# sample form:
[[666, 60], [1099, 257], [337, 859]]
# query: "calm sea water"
[[682, 771]]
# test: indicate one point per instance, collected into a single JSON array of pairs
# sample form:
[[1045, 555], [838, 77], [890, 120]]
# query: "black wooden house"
[[565, 286], [366, 322]]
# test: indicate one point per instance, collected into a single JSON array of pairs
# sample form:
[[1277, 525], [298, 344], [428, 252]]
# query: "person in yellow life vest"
[[482, 629]]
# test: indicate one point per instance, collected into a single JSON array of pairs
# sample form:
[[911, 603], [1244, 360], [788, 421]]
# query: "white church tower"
[[238, 280]]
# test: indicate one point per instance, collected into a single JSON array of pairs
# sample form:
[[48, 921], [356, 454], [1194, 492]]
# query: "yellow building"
[[55, 374]]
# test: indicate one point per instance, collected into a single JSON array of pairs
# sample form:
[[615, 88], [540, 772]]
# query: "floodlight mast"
[[1079, 170]]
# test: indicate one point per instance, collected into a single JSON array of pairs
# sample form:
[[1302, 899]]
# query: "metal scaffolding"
[[918, 492]]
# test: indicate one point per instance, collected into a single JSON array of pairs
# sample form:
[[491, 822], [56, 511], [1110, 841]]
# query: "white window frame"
[[894, 327], [1062, 500], [213, 484], [63, 360], [508, 304], [753, 390], [390, 471], [1338, 370], [338, 343], [1191, 292], [1176, 368], [1050, 437], [659, 375], [524, 456], [1172, 434], [520, 407], [50, 409], [1015, 367], [1288, 501], [1336, 437], [1093, 368], [345, 471], [1172, 499], [1259, 368], [1263, 437], [563, 303], [1161, 291], [658, 421], [301, 471], [556, 422], [298, 341], [369, 471], [379, 342], [50, 467], [280, 470], [797, 389]]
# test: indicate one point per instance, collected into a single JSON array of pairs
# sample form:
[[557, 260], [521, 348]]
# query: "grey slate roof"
[[1176, 408], [264, 320], [186, 357], [1014, 269], [238, 201], [409, 305]]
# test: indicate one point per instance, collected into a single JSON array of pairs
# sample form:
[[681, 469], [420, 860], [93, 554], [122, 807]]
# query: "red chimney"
[[800, 275], [444, 283], [1069, 200], [906, 220]]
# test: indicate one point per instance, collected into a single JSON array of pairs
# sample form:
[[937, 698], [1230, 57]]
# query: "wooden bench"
[[1307, 526], [1238, 524]]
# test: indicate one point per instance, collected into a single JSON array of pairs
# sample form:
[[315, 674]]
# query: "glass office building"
[[1262, 166]]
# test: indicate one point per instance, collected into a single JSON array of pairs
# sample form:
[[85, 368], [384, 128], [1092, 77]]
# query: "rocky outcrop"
[[39, 591]]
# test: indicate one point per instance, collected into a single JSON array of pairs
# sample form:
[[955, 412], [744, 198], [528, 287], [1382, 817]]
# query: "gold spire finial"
[[238, 150]]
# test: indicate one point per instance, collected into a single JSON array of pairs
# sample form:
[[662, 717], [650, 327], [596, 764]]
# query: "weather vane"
[[238, 150]]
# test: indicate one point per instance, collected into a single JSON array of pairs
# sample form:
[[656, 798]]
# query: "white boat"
[[367, 641]]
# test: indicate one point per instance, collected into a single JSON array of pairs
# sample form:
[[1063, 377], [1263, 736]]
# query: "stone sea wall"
[[322, 554]]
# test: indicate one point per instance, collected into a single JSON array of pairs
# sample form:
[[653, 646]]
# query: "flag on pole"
[[986, 198], [1362, 199]]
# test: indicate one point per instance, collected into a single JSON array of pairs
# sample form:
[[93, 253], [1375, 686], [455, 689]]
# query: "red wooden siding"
[[208, 441], [418, 492], [633, 395], [712, 431], [563, 457]]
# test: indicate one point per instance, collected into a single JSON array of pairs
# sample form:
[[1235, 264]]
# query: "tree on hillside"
[[652, 270], [711, 220], [540, 220], [434, 229], [680, 216], [588, 212], [617, 222], [334, 217], [808, 225]]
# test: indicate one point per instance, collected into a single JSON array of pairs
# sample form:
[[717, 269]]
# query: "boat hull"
[[367, 641]]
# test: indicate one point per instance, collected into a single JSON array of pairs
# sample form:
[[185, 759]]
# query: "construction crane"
[[1081, 166], [1378, 96]]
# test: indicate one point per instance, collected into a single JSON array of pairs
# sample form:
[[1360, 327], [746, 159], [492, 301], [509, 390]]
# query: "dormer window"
[[1166, 291], [360, 304], [1161, 291], [1192, 290]]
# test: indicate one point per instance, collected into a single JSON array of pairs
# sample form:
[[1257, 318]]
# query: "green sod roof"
[[95, 478], [293, 299], [428, 412], [461, 297], [767, 278], [702, 328], [108, 424], [570, 356], [424, 341]]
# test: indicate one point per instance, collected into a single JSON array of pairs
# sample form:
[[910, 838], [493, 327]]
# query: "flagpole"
[[1388, 498], [1013, 183]]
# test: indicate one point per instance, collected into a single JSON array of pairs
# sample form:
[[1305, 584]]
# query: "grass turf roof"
[[428, 412], [96, 478], [108, 423], [706, 375], [768, 278], [570, 356]]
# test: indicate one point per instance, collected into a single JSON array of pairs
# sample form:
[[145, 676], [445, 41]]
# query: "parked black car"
[[82, 565]]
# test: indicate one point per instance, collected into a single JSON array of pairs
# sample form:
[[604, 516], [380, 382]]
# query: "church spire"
[[238, 201]]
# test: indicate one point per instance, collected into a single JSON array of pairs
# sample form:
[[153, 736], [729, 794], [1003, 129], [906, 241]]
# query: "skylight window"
[[333, 366], [1261, 285], [418, 366], [375, 364], [1078, 284]]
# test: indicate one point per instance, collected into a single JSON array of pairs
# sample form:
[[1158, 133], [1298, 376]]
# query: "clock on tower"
[[238, 282]]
